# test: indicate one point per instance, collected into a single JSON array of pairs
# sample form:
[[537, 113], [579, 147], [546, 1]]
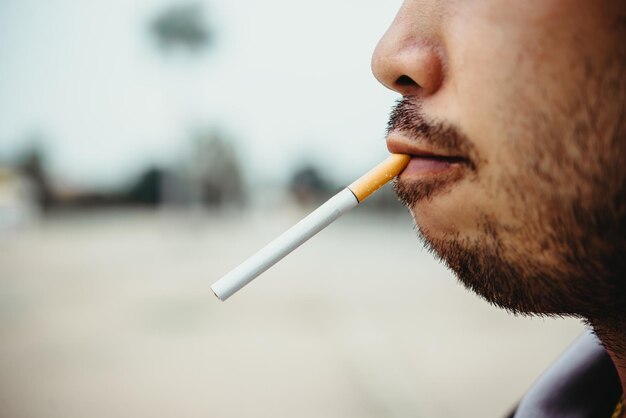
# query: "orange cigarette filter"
[[378, 176]]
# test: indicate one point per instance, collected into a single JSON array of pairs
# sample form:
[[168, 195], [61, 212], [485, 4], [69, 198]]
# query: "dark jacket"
[[582, 383]]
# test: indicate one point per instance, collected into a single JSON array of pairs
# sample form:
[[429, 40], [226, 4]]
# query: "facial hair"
[[570, 192]]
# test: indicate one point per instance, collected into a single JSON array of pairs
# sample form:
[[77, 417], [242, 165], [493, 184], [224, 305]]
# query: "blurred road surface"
[[109, 314]]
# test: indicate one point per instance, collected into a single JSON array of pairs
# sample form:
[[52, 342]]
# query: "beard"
[[567, 254]]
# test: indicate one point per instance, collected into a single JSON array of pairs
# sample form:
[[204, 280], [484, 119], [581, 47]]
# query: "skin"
[[534, 95]]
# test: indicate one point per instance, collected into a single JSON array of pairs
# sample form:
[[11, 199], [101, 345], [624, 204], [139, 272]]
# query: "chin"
[[443, 213], [441, 219]]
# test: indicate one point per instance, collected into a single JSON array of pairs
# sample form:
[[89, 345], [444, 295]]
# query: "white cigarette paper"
[[319, 219]]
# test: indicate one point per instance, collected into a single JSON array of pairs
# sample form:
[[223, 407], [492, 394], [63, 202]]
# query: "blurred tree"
[[212, 176], [147, 189], [182, 25]]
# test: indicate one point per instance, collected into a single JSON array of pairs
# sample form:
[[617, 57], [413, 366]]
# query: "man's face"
[[523, 104]]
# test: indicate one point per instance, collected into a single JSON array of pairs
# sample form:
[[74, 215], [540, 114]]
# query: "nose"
[[409, 58]]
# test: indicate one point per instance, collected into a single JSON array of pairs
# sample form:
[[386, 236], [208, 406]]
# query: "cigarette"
[[319, 219]]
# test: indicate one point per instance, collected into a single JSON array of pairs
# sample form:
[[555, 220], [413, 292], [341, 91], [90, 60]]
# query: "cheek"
[[505, 66], [491, 92], [504, 58]]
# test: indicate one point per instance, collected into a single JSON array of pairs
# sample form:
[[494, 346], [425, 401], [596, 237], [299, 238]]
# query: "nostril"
[[406, 81]]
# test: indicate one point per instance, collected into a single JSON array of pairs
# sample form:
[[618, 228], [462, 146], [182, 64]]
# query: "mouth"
[[427, 162]]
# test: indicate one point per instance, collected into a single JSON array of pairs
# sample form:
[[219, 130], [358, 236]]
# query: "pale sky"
[[288, 80]]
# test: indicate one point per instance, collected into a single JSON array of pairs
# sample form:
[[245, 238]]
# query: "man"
[[515, 115]]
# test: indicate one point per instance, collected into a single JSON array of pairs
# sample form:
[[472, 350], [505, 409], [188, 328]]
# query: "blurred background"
[[149, 146]]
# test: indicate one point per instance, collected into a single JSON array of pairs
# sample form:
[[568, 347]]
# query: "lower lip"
[[424, 167]]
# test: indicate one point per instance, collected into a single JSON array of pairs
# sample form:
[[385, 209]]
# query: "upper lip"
[[418, 147]]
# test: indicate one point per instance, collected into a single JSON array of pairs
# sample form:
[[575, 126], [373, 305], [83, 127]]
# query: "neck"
[[620, 365], [614, 340]]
